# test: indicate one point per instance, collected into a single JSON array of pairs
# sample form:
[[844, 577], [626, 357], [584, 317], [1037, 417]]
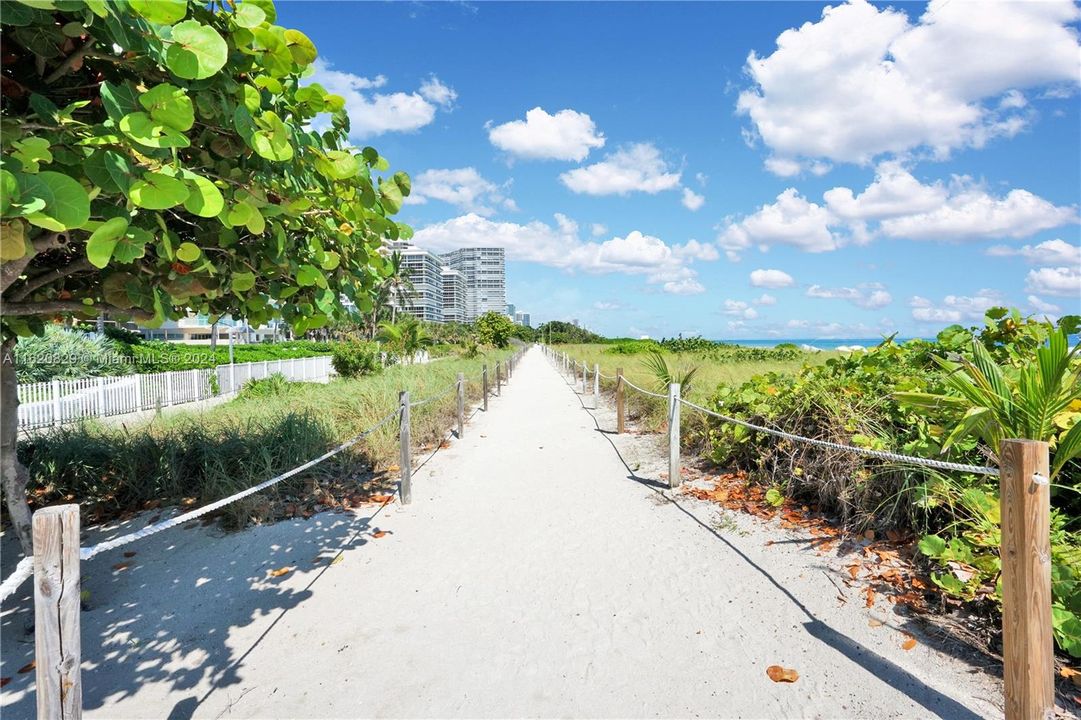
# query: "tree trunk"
[[213, 336], [12, 473]]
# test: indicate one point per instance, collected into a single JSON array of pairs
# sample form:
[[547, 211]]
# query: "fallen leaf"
[[121, 566], [28, 667], [780, 674], [909, 643], [854, 571], [280, 571], [4, 681], [393, 468], [130, 554], [380, 533], [869, 592], [875, 622]]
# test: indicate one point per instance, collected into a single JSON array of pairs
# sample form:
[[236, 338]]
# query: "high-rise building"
[[511, 310], [522, 318], [424, 271], [485, 276], [454, 295]]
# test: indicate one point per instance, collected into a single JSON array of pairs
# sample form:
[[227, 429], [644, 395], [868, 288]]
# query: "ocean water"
[[819, 343]]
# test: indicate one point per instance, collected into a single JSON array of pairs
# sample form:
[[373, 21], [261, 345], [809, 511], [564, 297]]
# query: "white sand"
[[531, 576]]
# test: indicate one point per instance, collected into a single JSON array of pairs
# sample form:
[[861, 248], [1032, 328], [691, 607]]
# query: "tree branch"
[[70, 60], [59, 307], [45, 278], [11, 270]]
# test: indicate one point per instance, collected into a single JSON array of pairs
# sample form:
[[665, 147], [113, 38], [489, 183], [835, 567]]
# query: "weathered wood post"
[[620, 412], [498, 380], [596, 383], [406, 461], [461, 405], [57, 655], [484, 385], [673, 435], [1027, 644]]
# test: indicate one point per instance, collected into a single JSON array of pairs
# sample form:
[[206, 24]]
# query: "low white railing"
[[64, 401]]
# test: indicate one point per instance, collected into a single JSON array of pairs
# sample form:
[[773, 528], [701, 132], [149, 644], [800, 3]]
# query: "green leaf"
[[119, 100], [99, 248], [132, 246], [197, 52], [392, 197], [161, 12], [243, 281], [9, 190], [169, 105], [158, 191], [31, 151], [188, 252], [1068, 447], [774, 497], [249, 15], [272, 141], [205, 199], [932, 546], [12, 240], [267, 6], [143, 129], [308, 275], [67, 204], [403, 182], [300, 47]]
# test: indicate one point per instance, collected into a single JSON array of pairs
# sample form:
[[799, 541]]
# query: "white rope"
[[11, 583], [643, 390], [89, 552], [881, 454]]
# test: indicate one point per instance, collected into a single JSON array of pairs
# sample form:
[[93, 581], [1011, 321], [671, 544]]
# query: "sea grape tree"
[[161, 157]]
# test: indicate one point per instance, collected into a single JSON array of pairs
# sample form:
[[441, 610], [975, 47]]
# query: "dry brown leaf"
[[869, 592], [854, 571], [130, 554], [379, 533], [28, 667], [121, 566], [4, 681], [875, 622], [393, 468], [281, 571], [780, 674], [909, 643]]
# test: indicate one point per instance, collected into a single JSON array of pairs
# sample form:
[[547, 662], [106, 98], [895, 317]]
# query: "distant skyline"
[[735, 170]]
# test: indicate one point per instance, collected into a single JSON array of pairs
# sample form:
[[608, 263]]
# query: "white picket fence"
[[64, 401]]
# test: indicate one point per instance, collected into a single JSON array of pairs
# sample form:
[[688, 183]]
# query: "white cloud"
[[464, 188], [1049, 252], [870, 296], [971, 213], [864, 81], [1063, 281], [738, 308], [1041, 306], [955, 308], [694, 250], [771, 279], [635, 168], [566, 135], [701, 178], [894, 192], [783, 167], [605, 305], [791, 220], [375, 113], [560, 246], [597, 229], [692, 200], [686, 286], [766, 299]]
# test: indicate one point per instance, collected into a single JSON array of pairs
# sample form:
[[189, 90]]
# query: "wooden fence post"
[[406, 461], [596, 383], [56, 613], [620, 412], [484, 385], [673, 435], [461, 405], [1027, 644], [498, 380]]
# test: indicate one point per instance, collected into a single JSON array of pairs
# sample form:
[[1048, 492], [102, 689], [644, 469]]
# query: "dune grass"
[[713, 369], [198, 457]]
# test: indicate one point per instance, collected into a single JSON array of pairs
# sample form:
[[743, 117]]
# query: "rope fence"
[[1024, 550], [25, 567]]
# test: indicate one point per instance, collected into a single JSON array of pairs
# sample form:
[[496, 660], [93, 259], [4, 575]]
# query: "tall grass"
[[199, 457]]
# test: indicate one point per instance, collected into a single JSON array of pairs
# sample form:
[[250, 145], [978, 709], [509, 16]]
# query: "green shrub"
[[633, 347], [68, 354], [353, 359], [272, 386]]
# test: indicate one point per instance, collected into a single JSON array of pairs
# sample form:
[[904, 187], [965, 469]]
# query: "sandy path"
[[531, 576]]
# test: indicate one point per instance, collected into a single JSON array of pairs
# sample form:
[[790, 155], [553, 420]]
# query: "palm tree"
[[391, 293], [406, 338]]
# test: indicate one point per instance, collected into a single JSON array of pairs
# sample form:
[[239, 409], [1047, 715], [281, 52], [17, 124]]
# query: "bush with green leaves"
[[274, 385], [70, 354], [160, 158], [354, 359], [494, 329], [954, 399]]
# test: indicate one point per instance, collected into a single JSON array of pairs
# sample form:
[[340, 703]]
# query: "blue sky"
[[738, 170]]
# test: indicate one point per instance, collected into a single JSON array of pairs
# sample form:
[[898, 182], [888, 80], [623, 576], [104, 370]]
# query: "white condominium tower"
[[485, 276], [424, 271], [454, 295]]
